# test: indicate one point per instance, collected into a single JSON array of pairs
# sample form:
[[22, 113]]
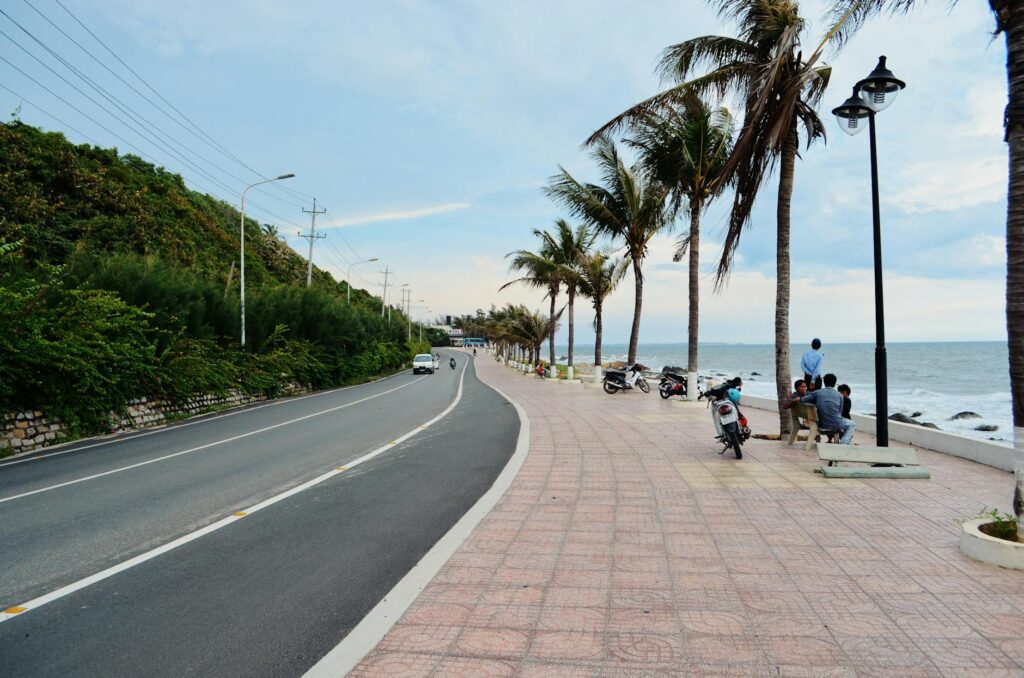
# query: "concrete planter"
[[980, 546]]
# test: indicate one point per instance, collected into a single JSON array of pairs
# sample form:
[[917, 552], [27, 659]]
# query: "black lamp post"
[[873, 94]]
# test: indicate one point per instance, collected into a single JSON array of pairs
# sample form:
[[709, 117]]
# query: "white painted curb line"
[[376, 624]]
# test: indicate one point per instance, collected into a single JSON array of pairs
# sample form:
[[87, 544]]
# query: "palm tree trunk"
[[691, 353], [551, 334], [634, 335], [572, 297], [786, 172], [598, 328], [1011, 16]]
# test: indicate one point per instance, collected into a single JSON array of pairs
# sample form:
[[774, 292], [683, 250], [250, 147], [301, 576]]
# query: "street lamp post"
[[870, 96], [348, 279], [241, 229]]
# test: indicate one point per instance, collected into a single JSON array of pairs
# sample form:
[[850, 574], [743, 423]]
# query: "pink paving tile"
[[395, 665], [472, 667], [721, 649], [497, 643], [422, 638], [513, 616], [588, 619], [567, 645], [564, 596], [646, 650], [509, 595], [560, 670], [452, 614], [885, 651], [803, 651], [957, 653]]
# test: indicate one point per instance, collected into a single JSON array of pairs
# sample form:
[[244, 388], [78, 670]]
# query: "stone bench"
[[807, 415], [904, 460]]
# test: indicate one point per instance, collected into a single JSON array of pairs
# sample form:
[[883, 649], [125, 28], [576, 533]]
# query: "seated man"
[[829, 403], [799, 391], [845, 391]]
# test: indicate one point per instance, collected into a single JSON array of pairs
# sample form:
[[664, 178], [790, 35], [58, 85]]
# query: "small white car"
[[424, 362]]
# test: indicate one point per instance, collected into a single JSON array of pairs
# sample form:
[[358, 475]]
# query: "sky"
[[427, 131]]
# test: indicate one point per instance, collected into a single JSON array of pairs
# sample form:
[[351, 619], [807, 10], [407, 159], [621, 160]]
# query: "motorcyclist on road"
[[451, 361]]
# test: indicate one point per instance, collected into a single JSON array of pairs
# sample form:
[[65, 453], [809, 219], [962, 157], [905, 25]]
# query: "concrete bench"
[[904, 458], [807, 414]]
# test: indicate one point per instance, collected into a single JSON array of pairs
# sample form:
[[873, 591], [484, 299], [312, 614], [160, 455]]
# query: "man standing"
[[813, 364], [829, 403]]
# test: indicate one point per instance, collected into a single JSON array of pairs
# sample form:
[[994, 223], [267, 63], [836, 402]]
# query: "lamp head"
[[369, 260], [852, 113], [881, 86], [284, 176]]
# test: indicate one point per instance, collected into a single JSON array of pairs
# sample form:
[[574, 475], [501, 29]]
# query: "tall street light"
[[871, 95], [348, 279], [242, 230]]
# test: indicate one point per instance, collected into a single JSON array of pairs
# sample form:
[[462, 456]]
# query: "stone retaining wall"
[[32, 429]]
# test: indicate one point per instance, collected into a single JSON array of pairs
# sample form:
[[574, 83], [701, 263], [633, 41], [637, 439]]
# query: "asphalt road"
[[270, 594]]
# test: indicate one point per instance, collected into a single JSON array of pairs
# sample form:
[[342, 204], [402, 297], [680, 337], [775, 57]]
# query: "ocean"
[[934, 379]]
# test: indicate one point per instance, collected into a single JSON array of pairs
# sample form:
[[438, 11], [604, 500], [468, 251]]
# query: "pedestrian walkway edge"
[[376, 624]]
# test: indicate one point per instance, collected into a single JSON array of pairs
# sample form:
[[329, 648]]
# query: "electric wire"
[[184, 117], [156, 135]]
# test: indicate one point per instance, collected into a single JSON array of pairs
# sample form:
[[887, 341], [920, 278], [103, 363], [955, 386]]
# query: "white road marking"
[[375, 625], [22, 608], [206, 446], [115, 437]]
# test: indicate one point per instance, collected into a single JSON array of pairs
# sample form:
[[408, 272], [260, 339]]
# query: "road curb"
[[376, 624]]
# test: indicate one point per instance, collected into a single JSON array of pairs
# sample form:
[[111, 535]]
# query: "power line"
[[155, 136], [184, 117]]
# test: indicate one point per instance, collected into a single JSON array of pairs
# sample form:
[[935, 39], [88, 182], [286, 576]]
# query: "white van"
[[424, 362]]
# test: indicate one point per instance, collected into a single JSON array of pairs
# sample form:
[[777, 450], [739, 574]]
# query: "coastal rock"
[[915, 415], [616, 365], [965, 415], [903, 419], [986, 427], [928, 424], [755, 374]]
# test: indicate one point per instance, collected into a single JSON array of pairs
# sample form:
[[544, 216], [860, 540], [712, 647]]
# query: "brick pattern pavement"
[[627, 546]]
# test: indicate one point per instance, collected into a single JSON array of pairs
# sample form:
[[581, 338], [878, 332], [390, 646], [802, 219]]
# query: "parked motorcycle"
[[672, 384], [730, 424], [615, 381]]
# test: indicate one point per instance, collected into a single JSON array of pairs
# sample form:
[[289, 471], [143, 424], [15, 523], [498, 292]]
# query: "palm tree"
[[1009, 16], [539, 270], [564, 248], [780, 90], [599, 276], [686, 146], [631, 207]]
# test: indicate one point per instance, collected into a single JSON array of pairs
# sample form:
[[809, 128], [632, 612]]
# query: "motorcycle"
[[730, 424], [615, 381], [672, 384], [451, 363]]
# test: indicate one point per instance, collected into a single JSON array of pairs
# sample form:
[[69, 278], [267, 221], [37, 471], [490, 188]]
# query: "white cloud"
[[397, 215], [932, 187]]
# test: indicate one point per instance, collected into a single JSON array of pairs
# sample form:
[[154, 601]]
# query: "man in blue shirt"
[[813, 364], [829, 403]]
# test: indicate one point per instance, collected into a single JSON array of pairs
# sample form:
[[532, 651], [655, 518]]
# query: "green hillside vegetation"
[[114, 284]]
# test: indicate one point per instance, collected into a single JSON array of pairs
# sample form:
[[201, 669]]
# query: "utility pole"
[[311, 238], [407, 300], [384, 296]]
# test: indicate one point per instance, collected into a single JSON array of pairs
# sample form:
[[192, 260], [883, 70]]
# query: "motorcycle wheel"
[[644, 386], [665, 393], [609, 387], [734, 440]]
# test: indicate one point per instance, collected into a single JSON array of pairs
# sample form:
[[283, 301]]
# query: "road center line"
[[20, 609], [206, 446]]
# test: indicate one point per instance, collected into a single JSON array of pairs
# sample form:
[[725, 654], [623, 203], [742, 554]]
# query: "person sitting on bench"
[[829, 403], [799, 391]]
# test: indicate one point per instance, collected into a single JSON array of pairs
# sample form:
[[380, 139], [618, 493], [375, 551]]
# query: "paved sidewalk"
[[628, 547]]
